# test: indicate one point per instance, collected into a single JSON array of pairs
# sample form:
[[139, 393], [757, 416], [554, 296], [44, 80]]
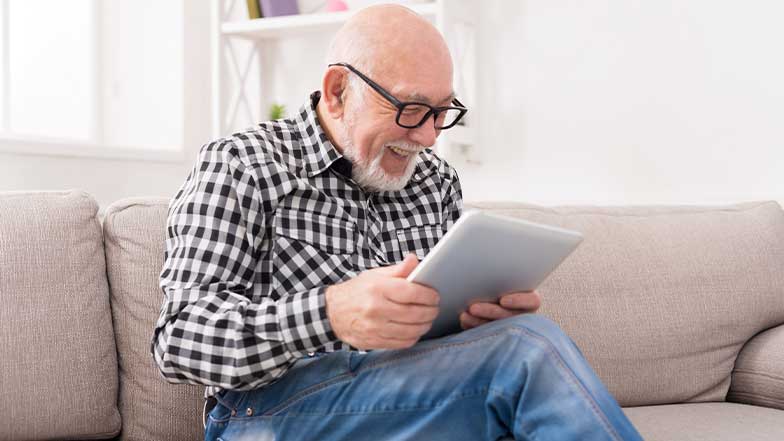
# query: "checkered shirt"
[[266, 220]]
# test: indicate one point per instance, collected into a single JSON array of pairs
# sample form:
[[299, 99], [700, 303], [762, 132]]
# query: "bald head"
[[390, 41], [404, 55]]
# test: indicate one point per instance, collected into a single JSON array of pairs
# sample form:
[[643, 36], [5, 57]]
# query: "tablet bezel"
[[435, 265]]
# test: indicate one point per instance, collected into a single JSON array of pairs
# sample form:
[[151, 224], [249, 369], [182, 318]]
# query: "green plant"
[[277, 111]]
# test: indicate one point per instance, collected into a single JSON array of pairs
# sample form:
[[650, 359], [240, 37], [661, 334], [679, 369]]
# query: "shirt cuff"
[[303, 320]]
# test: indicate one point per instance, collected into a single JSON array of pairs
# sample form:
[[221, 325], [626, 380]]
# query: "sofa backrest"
[[152, 409], [58, 366], [661, 299]]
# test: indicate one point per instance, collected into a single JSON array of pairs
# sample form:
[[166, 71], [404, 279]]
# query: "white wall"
[[630, 102], [599, 102], [142, 73], [155, 95]]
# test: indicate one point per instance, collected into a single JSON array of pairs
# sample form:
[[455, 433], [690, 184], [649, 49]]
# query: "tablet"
[[484, 256]]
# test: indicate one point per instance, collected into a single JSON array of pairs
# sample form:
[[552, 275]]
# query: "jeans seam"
[[479, 392], [568, 373], [306, 393], [528, 435], [421, 352], [577, 385]]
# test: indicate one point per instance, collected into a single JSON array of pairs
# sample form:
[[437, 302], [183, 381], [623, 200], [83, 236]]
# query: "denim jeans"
[[520, 377]]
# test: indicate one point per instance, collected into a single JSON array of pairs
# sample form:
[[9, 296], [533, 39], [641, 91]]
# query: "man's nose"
[[425, 134]]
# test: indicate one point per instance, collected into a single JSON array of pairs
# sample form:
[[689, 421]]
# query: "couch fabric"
[[707, 422], [153, 409], [663, 301], [58, 368], [758, 377]]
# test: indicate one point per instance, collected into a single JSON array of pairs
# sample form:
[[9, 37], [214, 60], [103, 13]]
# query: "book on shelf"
[[277, 8], [254, 9]]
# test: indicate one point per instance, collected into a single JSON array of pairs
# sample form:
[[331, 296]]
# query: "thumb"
[[404, 268]]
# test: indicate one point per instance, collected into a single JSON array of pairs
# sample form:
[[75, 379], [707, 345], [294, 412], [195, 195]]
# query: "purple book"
[[276, 8]]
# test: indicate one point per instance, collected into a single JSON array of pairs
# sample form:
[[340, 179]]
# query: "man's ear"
[[333, 91]]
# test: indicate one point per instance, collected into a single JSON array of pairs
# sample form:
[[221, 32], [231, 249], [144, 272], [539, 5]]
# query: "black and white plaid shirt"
[[266, 220]]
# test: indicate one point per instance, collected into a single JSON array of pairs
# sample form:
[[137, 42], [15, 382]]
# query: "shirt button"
[[249, 411], [233, 412]]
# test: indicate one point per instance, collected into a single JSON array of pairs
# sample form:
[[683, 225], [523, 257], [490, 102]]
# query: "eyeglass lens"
[[411, 115]]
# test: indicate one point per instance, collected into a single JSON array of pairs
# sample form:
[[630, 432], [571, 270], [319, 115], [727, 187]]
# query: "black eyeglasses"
[[411, 115]]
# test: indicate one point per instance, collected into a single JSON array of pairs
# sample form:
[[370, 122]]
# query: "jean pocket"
[[355, 360], [228, 403], [308, 378]]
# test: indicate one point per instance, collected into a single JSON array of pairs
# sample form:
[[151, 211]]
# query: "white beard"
[[367, 172]]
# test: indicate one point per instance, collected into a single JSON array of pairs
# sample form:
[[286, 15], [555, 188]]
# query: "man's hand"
[[510, 305], [379, 309]]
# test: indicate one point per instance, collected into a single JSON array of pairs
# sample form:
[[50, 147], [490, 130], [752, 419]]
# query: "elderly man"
[[287, 252]]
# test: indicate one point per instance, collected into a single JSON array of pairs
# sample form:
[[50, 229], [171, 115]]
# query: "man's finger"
[[407, 293], [491, 311], [528, 301], [412, 314], [401, 269], [468, 321], [398, 331]]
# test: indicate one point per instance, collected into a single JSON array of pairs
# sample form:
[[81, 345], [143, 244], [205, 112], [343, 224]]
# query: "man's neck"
[[327, 124]]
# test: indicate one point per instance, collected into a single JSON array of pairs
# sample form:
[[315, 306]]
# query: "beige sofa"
[[679, 309]]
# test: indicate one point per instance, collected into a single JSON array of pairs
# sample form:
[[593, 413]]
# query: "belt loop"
[[208, 402]]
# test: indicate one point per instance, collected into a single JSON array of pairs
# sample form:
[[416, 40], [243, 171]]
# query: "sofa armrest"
[[758, 377]]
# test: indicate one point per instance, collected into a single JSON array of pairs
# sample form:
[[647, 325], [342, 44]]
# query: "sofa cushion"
[[708, 422], [661, 299], [58, 365], [152, 409], [758, 377]]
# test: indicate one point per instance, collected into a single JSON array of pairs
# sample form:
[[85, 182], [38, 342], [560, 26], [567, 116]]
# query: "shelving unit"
[[456, 19], [298, 25]]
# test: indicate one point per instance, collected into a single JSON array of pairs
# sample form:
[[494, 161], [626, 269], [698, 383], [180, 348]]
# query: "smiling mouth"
[[400, 152]]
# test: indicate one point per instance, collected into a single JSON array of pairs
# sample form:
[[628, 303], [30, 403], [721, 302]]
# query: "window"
[[93, 73]]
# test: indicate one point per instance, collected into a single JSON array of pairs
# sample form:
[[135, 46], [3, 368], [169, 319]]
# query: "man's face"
[[383, 153]]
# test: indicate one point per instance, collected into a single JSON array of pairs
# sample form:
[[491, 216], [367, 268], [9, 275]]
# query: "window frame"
[[93, 147]]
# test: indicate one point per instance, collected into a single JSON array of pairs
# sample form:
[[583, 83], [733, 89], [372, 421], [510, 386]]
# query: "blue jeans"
[[521, 377]]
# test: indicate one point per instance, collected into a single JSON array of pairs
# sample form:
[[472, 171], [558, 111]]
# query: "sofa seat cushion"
[[58, 364], [707, 422], [152, 409], [662, 299]]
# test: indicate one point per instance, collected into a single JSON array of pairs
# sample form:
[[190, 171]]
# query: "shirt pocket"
[[329, 234], [311, 250], [418, 239]]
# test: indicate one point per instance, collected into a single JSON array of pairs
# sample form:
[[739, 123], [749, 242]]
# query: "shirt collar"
[[319, 154]]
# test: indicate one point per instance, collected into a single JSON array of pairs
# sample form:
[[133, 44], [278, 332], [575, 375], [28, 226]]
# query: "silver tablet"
[[484, 256]]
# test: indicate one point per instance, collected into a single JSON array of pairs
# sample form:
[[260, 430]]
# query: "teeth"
[[400, 151]]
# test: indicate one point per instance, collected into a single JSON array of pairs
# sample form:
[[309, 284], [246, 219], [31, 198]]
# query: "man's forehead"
[[404, 93], [415, 79]]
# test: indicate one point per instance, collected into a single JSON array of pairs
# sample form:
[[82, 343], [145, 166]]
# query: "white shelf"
[[296, 25]]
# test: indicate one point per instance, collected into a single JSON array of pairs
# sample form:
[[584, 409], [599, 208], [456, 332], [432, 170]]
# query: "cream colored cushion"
[[707, 422], [152, 409], [58, 366], [661, 299], [758, 377]]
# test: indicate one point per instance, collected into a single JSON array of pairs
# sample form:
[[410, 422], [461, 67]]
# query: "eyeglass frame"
[[400, 105]]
